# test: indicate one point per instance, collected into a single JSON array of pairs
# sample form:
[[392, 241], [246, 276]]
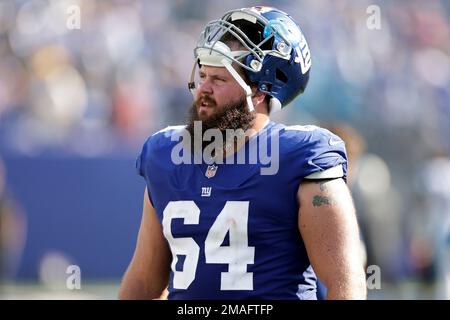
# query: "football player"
[[217, 228]]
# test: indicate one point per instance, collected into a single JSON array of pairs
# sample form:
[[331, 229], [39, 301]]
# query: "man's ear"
[[258, 97]]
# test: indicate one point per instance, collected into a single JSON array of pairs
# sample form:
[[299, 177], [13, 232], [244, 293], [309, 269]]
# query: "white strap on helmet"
[[238, 78], [219, 56]]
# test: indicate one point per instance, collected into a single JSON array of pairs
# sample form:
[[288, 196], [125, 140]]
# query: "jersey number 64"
[[233, 219]]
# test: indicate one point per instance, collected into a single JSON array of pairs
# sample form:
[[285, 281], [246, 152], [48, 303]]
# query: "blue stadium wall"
[[87, 209]]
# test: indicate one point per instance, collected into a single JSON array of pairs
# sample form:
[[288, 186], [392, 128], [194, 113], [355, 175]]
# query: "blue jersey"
[[232, 229]]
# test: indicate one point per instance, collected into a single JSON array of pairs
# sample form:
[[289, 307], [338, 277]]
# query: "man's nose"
[[205, 86]]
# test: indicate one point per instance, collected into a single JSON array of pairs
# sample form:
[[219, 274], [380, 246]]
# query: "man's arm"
[[148, 273], [328, 225]]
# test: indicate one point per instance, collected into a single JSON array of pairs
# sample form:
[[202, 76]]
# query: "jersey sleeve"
[[143, 162], [319, 151], [327, 151], [152, 145], [144, 159], [155, 158]]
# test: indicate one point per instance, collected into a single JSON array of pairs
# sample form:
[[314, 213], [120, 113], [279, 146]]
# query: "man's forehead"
[[219, 71]]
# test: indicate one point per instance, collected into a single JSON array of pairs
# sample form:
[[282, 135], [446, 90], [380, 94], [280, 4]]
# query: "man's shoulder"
[[156, 150], [164, 138], [311, 149], [308, 136]]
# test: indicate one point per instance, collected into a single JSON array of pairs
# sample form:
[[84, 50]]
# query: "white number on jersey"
[[182, 246], [233, 219]]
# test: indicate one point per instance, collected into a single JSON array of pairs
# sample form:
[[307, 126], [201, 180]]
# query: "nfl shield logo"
[[211, 171]]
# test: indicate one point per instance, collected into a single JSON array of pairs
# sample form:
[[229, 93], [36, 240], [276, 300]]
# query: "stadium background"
[[76, 106]]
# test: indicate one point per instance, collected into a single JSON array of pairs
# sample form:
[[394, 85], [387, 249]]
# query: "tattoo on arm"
[[322, 185], [319, 200]]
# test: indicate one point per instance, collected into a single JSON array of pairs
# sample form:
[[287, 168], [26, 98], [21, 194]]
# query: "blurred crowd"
[[101, 89]]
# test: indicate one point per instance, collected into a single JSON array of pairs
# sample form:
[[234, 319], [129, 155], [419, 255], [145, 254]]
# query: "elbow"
[[359, 289], [351, 288]]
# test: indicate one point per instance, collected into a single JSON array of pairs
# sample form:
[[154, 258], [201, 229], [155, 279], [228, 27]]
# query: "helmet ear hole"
[[280, 75], [265, 87]]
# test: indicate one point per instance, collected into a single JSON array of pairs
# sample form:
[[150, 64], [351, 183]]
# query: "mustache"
[[206, 99]]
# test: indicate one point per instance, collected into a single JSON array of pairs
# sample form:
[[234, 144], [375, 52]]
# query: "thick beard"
[[235, 116]]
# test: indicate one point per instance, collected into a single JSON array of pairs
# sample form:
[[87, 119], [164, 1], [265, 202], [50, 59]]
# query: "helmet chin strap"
[[191, 83], [248, 91]]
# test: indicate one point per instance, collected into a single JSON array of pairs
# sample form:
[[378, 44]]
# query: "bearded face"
[[220, 104], [233, 116]]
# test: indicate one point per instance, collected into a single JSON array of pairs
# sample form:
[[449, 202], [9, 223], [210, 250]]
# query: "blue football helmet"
[[265, 42]]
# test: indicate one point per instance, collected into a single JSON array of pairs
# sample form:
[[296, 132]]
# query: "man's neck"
[[259, 122]]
